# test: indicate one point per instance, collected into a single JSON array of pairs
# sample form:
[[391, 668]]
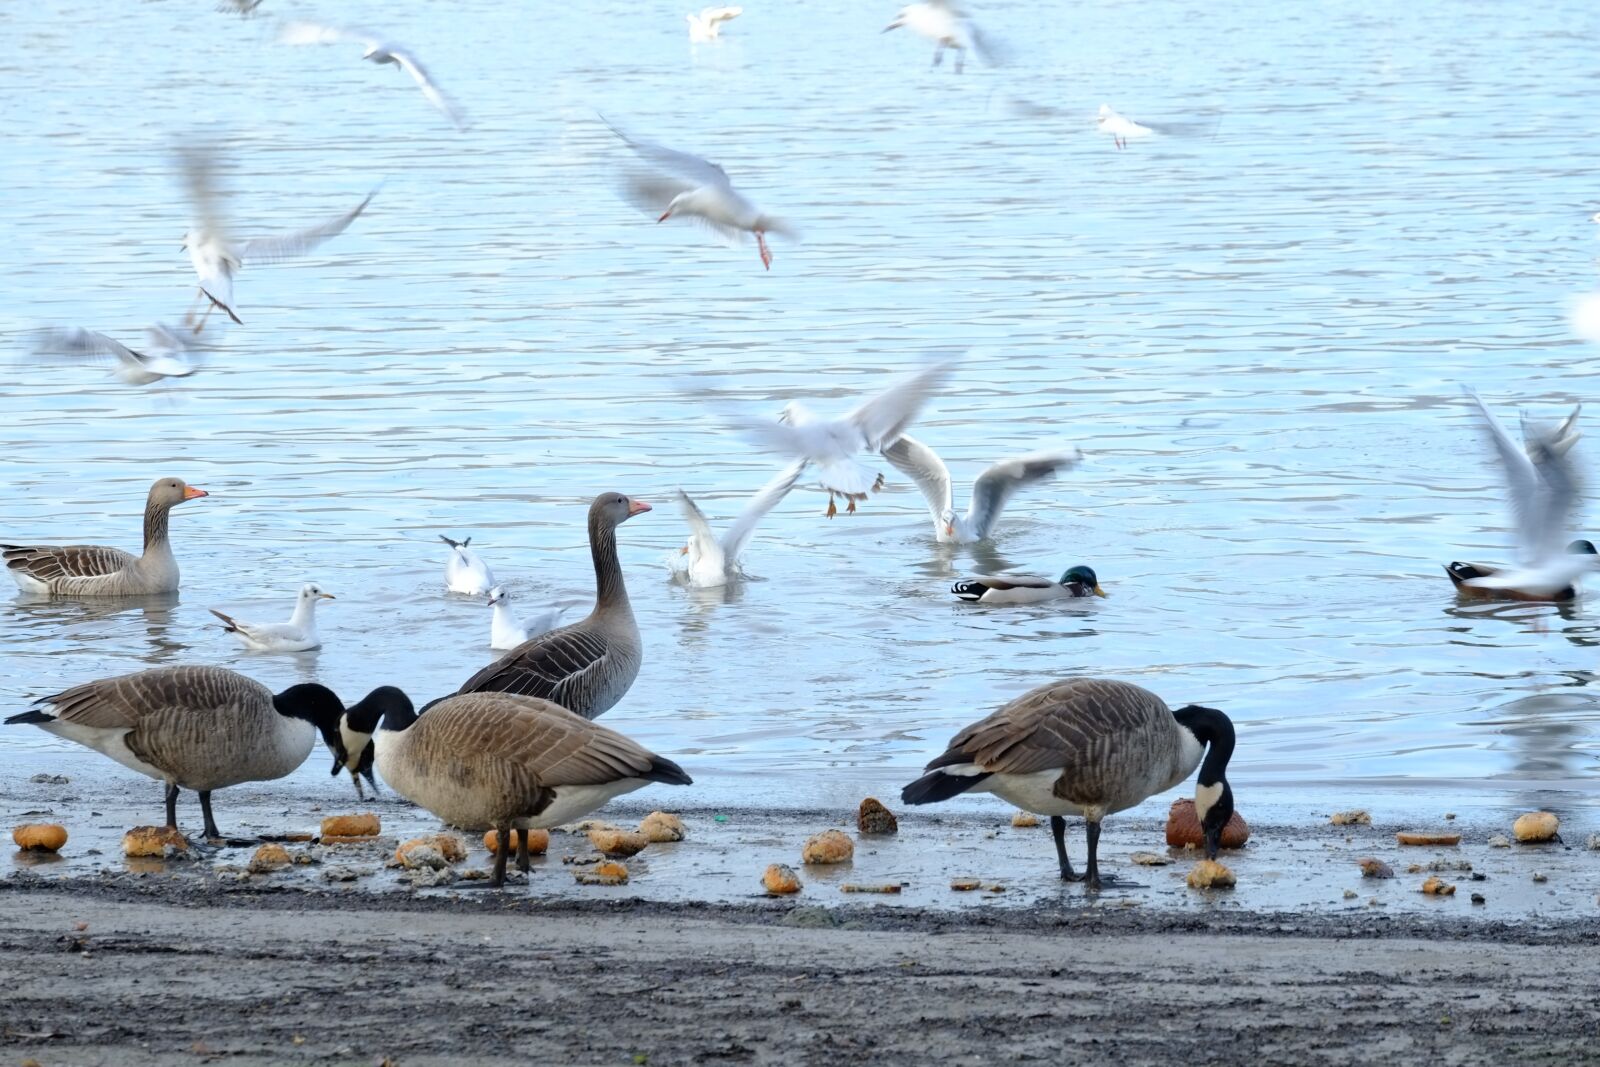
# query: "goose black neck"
[[315, 704], [608, 585], [1214, 730], [386, 705]]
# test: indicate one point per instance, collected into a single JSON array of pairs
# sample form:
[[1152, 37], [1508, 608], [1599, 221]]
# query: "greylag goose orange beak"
[[191, 493], [636, 507]]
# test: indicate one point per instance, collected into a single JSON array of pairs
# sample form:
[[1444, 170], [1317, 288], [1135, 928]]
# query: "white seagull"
[[707, 25], [712, 561], [989, 493], [505, 631], [378, 51], [297, 635], [670, 184], [947, 27], [464, 572], [831, 445], [163, 357], [1544, 495], [216, 258], [1122, 129]]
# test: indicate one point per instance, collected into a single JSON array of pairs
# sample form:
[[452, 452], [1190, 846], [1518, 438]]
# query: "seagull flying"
[[670, 184], [708, 23], [163, 358], [946, 27], [378, 51], [713, 561], [831, 444], [216, 258], [989, 493]]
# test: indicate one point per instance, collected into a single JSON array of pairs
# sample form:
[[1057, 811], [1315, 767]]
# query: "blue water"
[[1256, 335]]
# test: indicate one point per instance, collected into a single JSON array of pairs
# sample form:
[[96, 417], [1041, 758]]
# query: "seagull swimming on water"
[[216, 258], [831, 445], [377, 50], [671, 184], [163, 357], [707, 25]]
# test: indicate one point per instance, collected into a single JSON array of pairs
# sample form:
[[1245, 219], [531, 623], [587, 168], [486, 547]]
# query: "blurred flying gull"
[[1122, 129], [707, 25], [710, 561], [215, 257], [947, 27], [378, 51], [990, 492], [163, 358]]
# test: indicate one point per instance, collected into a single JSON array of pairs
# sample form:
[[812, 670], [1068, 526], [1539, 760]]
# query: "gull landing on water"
[[832, 444], [713, 561], [378, 51], [163, 358], [671, 184], [1122, 129], [706, 26], [216, 258], [989, 493]]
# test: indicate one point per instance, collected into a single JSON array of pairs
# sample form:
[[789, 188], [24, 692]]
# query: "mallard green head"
[[1582, 548], [1084, 577]]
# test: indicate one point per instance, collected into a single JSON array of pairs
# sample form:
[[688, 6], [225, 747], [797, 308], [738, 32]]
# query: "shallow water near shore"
[[1256, 337]]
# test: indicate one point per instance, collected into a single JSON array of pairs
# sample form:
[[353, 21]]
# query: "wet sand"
[[199, 961]]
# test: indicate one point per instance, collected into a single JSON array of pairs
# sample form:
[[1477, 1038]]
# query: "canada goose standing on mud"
[[1090, 747]]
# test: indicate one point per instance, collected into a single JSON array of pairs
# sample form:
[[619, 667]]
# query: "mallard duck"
[[1079, 581], [1462, 573]]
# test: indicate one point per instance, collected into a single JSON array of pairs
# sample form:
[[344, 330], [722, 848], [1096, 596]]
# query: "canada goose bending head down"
[[495, 760], [199, 728], [99, 570], [1090, 747], [350, 739]]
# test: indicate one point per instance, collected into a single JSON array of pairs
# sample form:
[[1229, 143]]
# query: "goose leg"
[[1058, 828], [523, 863], [1094, 882], [371, 781], [498, 879], [172, 806], [355, 776], [205, 809]]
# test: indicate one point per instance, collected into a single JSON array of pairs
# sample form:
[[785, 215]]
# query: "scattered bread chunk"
[[618, 842], [268, 858], [887, 887], [1149, 859], [1183, 829], [780, 879], [1209, 874], [660, 827], [830, 846], [432, 852], [1536, 826], [351, 826], [873, 818], [1351, 818], [1410, 838], [40, 836], [359, 839], [1372, 867], [1540, 876], [1024, 820], [538, 841], [1438, 887], [608, 873], [164, 842], [1350, 894], [965, 885], [1499, 841]]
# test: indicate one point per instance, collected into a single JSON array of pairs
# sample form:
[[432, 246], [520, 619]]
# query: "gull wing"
[[1543, 490], [995, 485], [412, 66], [699, 528], [680, 165], [886, 416], [765, 499], [924, 467], [290, 245]]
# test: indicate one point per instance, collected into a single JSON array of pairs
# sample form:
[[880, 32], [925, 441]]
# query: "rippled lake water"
[[1256, 336]]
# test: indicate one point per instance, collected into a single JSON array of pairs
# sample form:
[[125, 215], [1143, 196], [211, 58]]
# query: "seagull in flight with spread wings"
[[990, 492], [377, 50]]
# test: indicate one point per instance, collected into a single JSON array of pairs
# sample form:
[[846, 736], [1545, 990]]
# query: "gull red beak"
[[665, 215], [191, 493], [637, 506]]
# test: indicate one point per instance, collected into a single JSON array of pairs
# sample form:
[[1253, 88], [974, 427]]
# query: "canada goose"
[[96, 570], [296, 635], [508, 762], [1078, 581], [464, 572], [199, 728], [989, 493], [350, 739], [1090, 747], [1543, 487], [588, 666], [710, 561]]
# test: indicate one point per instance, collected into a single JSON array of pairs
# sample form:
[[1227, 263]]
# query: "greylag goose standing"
[[508, 762], [199, 728], [1090, 747], [588, 666], [96, 570]]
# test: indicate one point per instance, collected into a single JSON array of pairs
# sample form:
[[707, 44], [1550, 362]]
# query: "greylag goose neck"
[[1089, 747], [509, 762], [199, 728], [97, 570], [588, 666], [350, 739]]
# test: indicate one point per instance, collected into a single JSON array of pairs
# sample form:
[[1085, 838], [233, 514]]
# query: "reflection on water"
[[1255, 338]]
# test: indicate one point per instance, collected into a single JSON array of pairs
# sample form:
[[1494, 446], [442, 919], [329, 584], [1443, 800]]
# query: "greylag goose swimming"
[[1079, 581], [588, 666], [989, 493], [297, 635], [711, 561], [1089, 747], [199, 728], [509, 762], [95, 570]]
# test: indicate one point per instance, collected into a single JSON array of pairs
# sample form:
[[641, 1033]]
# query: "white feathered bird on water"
[[299, 634], [464, 572], [505, 631], [831, 445], [990, 492], [163, 357], [711, 561], [707, 25]]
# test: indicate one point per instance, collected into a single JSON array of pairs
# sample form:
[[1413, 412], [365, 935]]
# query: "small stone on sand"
[[830, 846], [1350, 894], [873, 818], [887, 887], [1499, 841], [1478, 898], [1540, 876]]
